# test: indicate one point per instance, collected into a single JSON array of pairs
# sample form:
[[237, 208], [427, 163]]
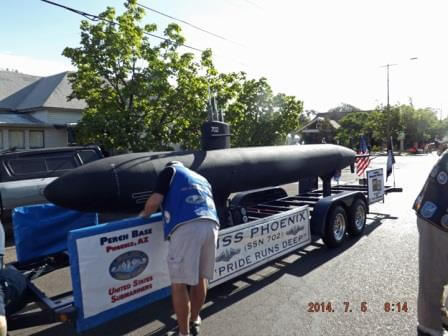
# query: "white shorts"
[[192, 250]]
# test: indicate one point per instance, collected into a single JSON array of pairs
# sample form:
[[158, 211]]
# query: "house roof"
[[20, 92], [12, 82], [334, 115], [333, 123], [20, 120]]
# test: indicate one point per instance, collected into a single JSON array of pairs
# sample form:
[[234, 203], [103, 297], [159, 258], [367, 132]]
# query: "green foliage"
[[143, 96], [353, 126], [442, 130], [344, 108], [257, 116], [140, 95], [419, 125], [381, 123]]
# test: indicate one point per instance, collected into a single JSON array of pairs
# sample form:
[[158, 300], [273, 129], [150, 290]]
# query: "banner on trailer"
[[253, 244], [375, 183], [117, 267], [121, 266]]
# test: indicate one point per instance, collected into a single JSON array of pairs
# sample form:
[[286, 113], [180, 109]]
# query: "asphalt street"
[[357, 280]]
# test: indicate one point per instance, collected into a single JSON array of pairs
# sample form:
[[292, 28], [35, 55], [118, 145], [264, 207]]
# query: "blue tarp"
[[41, 229]]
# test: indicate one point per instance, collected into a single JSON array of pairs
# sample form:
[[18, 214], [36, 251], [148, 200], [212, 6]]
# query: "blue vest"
[[189, 197]]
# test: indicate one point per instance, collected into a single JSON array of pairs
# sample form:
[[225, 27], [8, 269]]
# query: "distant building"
[[323, 127], [35, 112]]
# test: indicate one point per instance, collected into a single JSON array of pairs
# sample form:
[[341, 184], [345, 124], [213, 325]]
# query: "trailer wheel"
[[358, 212], [14, 289], [336, 227]]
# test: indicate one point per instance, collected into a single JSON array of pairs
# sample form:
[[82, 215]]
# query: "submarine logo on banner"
[[228, 254], [128, 265]]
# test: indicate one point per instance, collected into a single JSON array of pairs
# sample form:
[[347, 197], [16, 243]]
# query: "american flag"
[[362, 162]]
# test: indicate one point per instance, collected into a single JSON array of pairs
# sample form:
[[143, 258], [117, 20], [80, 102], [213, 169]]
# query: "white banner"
[[120, 266], [247, 246], [375, 183], [123, 265]]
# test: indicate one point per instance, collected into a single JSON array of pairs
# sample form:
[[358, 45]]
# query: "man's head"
[[172, 163]]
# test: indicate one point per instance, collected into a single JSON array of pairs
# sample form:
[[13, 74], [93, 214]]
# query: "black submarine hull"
[[122, 183]]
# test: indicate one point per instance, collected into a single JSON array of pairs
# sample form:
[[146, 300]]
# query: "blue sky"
[[324, 52]]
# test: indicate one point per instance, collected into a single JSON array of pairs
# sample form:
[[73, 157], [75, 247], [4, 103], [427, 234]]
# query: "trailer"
[[128, 268]]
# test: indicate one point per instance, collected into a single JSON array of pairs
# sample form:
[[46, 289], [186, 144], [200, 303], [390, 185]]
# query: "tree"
[[143, 96], [257, 116], [442, 130], [344, 108], [140, 96], [353, 126], [419, 125]]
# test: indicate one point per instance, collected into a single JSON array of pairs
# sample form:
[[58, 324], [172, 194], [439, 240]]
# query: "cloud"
[[33, 66]]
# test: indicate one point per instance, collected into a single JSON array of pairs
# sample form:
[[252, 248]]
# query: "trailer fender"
[[324, 206]]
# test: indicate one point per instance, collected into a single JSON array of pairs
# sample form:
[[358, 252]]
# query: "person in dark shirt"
[[191, 226], [13, 288], [431, 207]]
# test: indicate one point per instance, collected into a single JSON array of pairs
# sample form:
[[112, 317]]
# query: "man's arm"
[[162, 186], [152, 204]]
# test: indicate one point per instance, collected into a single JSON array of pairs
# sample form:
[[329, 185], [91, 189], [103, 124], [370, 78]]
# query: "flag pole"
[[393, 166]]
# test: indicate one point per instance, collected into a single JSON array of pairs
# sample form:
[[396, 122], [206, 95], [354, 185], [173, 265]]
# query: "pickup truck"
[[25, 174]]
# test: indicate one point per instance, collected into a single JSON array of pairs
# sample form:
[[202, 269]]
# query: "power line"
[[93, 17], [190, 24]]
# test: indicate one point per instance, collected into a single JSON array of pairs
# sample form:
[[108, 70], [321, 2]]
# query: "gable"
[[21, 92], [14, 84]]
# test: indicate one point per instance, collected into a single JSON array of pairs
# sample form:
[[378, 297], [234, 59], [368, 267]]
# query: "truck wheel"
[[336, 227], [358, 212]]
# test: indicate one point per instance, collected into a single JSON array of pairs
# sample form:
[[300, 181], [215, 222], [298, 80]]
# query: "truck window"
[[27, 166], [60, 163], [88, 155]]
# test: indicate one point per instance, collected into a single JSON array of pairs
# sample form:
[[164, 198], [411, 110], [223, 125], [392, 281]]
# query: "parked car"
[[25, 174]]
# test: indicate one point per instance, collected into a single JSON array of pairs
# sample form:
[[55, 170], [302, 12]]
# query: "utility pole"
[[387, 66]]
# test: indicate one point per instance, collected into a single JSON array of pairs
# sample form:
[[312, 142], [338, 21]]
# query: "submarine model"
[[121, 184]]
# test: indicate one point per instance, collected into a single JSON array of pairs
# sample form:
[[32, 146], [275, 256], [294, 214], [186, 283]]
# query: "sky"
[[324, 52]]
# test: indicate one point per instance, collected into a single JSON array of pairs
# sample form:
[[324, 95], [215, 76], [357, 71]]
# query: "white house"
[[35, 112]]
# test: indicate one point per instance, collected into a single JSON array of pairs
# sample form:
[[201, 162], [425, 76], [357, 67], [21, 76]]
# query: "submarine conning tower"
[[215, 134]]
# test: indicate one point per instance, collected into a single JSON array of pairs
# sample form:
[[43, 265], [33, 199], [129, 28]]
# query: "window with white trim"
[[37, 139]]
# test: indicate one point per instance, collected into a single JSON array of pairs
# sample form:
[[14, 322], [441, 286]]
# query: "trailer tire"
[[357, 222], [335, 227], [14, 288]]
